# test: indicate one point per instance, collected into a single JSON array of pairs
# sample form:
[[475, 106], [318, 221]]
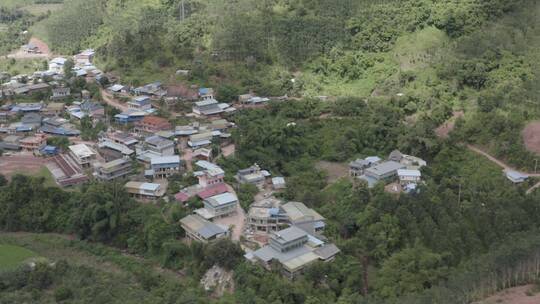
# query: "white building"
[[407, 176], [82, 154]]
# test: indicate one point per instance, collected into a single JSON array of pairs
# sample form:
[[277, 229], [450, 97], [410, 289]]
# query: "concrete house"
[[118, 168], [383, 171], [141, 103], [154, 146], [32, 120], [408, 176], [293, 250], [357, 167], [199, 229], [82, 154], [252, 175], [60, 93], [152, 124], [54, 109], [207, 107], [267, 216], [200, 140], [306, 218], [165, 166], [33, 143], [145, 191], [218, 206]]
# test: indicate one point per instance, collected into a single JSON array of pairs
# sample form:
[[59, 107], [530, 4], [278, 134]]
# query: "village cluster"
[[145, 150]]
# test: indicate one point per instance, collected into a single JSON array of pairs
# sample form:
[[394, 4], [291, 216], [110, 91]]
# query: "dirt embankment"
[[531, 137], [516, 295]]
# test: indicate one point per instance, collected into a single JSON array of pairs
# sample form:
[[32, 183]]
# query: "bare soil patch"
[[531, 137], [40, 44], [443, 130], [27, 164], [334, 171], [516, 295]]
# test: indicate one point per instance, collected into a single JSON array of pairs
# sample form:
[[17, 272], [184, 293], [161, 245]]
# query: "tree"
[[68, 69], [224, 253]]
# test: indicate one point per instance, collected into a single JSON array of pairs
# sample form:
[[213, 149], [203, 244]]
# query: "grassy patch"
[[12, 256], [40, 9], [21, 66]]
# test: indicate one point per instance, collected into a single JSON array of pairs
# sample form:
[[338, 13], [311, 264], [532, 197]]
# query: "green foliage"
[[69, 28]]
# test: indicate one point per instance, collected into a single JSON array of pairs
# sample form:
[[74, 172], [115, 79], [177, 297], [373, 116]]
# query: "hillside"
[[451, 83]]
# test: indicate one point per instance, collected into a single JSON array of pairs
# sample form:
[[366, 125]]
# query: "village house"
[[293, 250], [123, 138], [210, 182], [154, 146], [202, 154], [200, 140], [118, 88], [211, 175], [32, 120], [56, 65], [27, 107], [381, 172], [145, 191], [33, 143], [408, 177], [59, 126], [82, 154], [122, 151], [201, 230], [31, 49], [252, 175], [66, 171], [152, 124], [267, 216], [11, 143], [84, 58], [278, 183], [306, 218], [411, 162], [152, 89], [30, 89], [165, 166], [207, 107], [357, 167], [140, 103], [206, 93], [54, 109], [49, 151], [515, 177], [60, 93], [221, 205], [118, 168], [130, 116]]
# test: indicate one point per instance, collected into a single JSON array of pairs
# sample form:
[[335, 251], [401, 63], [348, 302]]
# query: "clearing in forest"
[[531, 137], [12, 256], [334, 171]]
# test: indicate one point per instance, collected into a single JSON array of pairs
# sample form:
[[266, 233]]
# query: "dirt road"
[[110, 100], [505, 166]]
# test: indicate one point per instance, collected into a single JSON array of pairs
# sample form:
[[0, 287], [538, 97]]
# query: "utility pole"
[[535, 165]]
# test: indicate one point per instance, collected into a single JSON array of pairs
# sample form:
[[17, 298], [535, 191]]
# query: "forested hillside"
[[479, 56]]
